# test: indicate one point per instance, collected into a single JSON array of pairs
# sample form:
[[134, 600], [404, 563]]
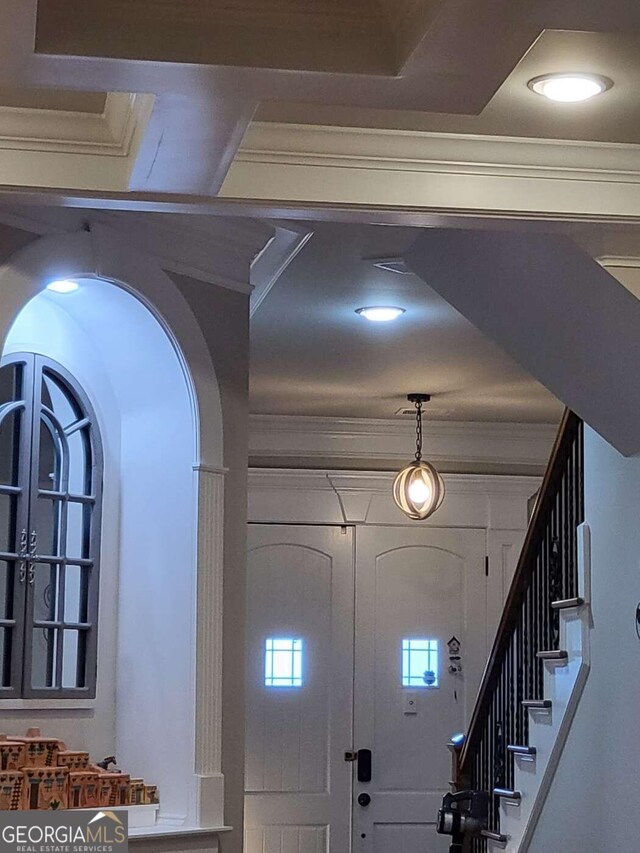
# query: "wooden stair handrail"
[[567, 431]]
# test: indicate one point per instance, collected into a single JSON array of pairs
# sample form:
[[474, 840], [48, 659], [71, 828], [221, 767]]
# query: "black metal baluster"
[[546, 572]]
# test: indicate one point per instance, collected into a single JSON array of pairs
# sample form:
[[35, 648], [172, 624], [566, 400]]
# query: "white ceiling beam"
[[554, 309], [460, 174]]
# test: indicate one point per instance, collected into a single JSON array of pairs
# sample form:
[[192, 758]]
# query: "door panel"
[[299, 709], [412, 591], [415, 590]]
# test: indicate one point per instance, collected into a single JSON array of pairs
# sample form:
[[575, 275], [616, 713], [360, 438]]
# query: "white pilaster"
[[208, 734]]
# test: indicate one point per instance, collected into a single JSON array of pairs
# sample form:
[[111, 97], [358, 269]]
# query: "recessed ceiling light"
[[380, 313], [64, 285], [570, 88]]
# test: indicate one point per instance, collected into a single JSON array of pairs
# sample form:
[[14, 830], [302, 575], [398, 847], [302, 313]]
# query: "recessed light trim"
[[380, 313], [63, 285], [570, 87]]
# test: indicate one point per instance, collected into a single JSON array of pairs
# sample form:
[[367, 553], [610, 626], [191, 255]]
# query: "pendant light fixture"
[[418, 489]]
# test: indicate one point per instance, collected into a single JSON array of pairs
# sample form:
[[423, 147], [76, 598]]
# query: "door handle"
[[364, 800], [364, 765]]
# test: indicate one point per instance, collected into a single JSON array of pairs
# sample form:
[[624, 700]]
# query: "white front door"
[[341, 662], [416, 589], [299, 696]]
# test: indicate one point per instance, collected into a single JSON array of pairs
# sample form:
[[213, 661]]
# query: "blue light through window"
[[419, 663], [283, 662]]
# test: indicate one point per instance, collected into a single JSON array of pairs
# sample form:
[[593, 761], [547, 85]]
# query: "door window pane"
[[56, 397], [49, 459], [9, 447], [46, 591], [79, 462], [78, 528], [8, 504], [10, 383], [76, 590], [419, 663], [283, 662], [43, 657], [46, 520], [7, 570], [73, 659], [5, 657]]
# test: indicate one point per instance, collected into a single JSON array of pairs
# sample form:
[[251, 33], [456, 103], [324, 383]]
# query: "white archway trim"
[[103, 254]]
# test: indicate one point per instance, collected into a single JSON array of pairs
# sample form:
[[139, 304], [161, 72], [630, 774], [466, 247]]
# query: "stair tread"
[[507, 793], [553, 654], [536, 703], [494, 836], [566, 603], [519, 749]]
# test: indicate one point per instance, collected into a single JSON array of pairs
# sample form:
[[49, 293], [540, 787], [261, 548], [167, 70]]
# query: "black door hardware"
[[364, 765], [364, 800]]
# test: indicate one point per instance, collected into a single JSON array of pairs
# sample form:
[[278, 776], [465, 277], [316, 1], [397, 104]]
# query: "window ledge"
[[165, 831], [46, 704]]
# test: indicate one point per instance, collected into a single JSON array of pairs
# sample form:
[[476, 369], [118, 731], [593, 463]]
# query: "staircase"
[[539, 662]]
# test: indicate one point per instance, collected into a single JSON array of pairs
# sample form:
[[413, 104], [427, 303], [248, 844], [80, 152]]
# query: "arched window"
[[50, 507]]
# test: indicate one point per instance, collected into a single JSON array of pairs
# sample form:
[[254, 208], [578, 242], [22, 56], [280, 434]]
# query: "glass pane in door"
[[8, 506], [46, 591], [46, 520], [5, 657], [9, 446], [10, 383], [43, 657], [78, 529], [76, 590], [73, 659], [7, 574], [49, 458]]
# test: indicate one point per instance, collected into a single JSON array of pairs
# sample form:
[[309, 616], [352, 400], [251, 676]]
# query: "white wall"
[[592, 803], [127, 365]]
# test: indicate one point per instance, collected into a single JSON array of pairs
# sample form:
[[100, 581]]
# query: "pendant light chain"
[[418, 430], [418, 489]]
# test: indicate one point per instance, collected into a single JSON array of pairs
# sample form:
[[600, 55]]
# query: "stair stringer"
[[549, 729]]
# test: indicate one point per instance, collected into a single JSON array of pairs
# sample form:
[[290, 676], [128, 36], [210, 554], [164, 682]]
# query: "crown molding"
[[365, 497], [78, 150], [444, 171], [298, 441], [109, 133]]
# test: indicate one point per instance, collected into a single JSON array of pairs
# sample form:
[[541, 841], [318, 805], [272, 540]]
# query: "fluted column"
[[208, 734]]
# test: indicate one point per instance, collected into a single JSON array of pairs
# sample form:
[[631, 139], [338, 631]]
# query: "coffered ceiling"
[[403, 112], [225, 75]]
